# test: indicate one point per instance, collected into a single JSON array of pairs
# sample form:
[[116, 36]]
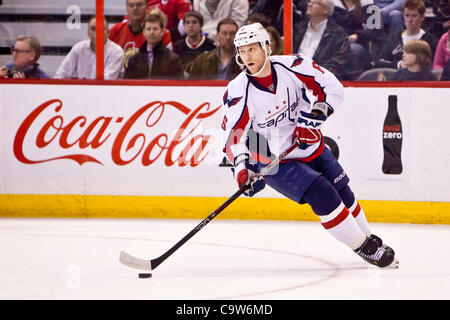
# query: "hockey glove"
[[245, 175], [308, 130]]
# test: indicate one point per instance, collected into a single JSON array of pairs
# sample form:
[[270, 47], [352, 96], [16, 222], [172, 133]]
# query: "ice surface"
[[228, 259]]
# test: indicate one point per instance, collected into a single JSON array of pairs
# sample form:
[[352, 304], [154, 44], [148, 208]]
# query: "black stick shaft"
[[157, 261]]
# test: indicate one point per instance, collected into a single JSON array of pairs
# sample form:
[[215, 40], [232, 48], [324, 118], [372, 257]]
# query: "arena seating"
[[50, 22]]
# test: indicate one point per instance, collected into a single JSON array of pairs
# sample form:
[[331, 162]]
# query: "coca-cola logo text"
[[392, 131], [185, 146]]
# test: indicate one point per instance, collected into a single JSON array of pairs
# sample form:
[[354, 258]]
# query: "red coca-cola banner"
[[86, 134], [167, 141]]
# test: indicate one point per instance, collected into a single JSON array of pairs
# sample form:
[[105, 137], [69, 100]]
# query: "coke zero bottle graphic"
[[392, 139]]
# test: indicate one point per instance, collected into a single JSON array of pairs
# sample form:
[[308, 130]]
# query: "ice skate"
[[380, 243], [374, 252]]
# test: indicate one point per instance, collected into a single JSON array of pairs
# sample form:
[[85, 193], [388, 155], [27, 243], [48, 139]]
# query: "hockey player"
[[269, 98]]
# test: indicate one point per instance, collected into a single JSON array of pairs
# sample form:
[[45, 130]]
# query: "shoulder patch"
[[233, 101], [230, 101], [298, 61]]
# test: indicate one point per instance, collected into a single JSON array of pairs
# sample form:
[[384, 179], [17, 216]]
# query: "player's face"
[[153, 33], [192, 26], [413, 19], [253, 56]]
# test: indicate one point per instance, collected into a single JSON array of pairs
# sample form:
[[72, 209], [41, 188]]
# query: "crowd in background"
[[193, 39]]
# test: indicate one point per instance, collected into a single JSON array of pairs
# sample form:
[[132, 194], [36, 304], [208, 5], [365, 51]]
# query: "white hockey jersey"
[[273, 113]]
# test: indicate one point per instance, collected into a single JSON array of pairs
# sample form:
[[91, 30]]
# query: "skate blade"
[[394, 265]]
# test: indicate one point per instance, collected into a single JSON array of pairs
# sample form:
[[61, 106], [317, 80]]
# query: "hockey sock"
[[355, 209], [360, 218], [334, 216]]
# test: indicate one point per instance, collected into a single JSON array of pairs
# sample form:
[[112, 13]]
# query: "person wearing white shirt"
[[80, 63], [312, 38], [318, 37], [214, 11]]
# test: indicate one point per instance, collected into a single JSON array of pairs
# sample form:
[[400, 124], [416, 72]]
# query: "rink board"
[[114, 150], [78, 206]]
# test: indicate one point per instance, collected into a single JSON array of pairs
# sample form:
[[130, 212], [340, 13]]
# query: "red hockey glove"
[[308, 130], [245, 174]]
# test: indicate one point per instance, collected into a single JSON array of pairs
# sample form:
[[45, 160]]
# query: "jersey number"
[[224, 123]]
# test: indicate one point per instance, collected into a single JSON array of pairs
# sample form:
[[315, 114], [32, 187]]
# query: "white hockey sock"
[[343, 227], [360, 218]]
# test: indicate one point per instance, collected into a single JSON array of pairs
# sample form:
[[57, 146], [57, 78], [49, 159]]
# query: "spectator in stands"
[[80, 63], [194, 43], [321, 39], [276, 43], [391, 14], [128, 33], [258, 17], [442, 55], [273, 10], [174, 11], [25, 53], [417, 61], [352, 16], [218, 63], [154, 60], [441, 20], [391, 53], [214, 11]]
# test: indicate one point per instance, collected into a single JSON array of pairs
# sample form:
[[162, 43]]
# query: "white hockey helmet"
[[251, 33]]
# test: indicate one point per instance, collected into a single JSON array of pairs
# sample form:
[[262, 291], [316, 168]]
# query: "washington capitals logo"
[[298, 61], [230, 101]]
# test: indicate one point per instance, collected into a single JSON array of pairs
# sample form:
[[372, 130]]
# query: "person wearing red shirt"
[[128, 33], [174, 11]]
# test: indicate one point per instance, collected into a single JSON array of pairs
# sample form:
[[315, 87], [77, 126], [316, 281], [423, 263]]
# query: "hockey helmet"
[[251, 33]]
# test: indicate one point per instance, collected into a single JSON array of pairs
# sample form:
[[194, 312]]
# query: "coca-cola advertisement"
[[127, 138], [167, 141]]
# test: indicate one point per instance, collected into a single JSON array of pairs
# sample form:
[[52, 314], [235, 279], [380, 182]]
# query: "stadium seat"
[[377, 74]]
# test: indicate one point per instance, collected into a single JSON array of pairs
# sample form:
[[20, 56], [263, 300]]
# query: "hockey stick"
[[142, 264]]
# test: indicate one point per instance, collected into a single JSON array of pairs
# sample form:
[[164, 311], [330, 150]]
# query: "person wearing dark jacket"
[[353, 17], [218, 63], [391, 53], [194, 43], [322, 39], [25, 53], [154, 60]]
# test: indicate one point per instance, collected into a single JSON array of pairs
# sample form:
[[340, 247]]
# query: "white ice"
[[228, 259]]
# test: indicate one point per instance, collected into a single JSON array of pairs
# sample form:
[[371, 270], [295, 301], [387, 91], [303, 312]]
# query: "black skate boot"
[[380, 243], [374, 254]]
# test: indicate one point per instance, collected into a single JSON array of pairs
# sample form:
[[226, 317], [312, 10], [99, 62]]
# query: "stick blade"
[[133, 262]]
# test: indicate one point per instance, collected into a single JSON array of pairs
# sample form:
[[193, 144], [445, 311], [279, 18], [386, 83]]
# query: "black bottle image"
[[392, 139]]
